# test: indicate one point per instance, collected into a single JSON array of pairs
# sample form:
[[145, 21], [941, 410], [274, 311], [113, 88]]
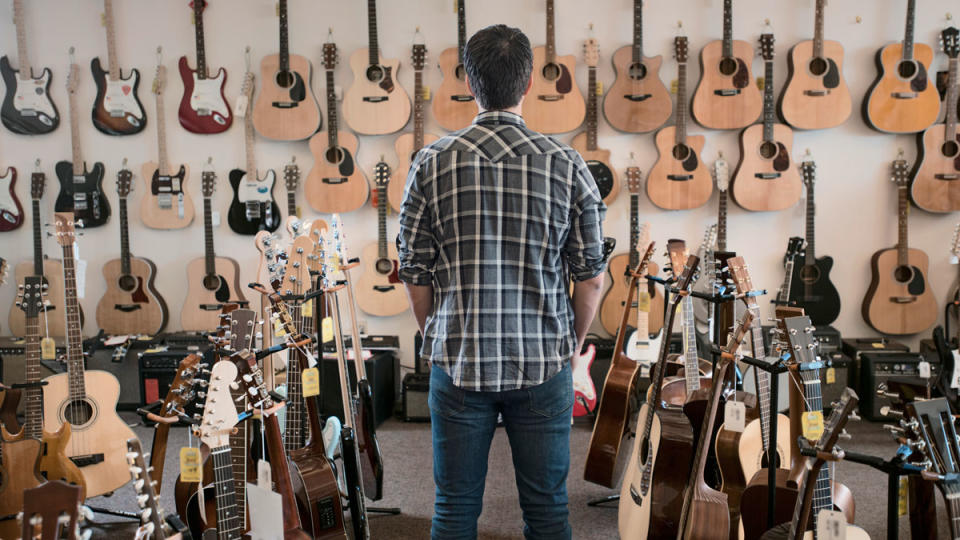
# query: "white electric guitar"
[[641, 347]]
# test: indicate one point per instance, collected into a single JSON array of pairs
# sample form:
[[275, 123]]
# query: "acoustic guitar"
[[11, 212], [27, 108], [934, 187], [131, 303], [183, 390], [376, 103], [117, 109], [454, 107], [154, 524], [899, 300], [816, 95], [203, 108], [286, 108], [379, 291], [679, 180], [766, 179], [598, 159], [335, 183], [727, 96], [87, 400], [51, 512], [554, 103]]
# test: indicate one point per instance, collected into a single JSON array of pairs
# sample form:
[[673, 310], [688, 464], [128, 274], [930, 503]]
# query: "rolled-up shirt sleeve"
[[584, 247], [416, 242]]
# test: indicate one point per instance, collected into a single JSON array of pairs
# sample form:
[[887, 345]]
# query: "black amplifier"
[[878, 368], [842, 377], [855, 347], [416, 388], [381, 375], [828, 339]]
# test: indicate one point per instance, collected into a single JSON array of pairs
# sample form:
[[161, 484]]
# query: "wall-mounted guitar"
[[376, 103], [291, 180], [454, 107], [203, 108], [11, 212], [27, 107], [935, 186], [598, 159], [167, 204], [379, 291], [765, 178], [131, 304], [286, 108], [679, 180], [335, 183], [903, 98], [554, 103], [727, 96], [117, 109], [816, 95]]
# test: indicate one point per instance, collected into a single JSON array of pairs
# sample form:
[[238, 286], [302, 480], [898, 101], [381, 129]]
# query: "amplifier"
[[828, 339], [370, 343], [843, 377], [380, 374], [855, 347], [877, 368], [416, 388], [159, 368]]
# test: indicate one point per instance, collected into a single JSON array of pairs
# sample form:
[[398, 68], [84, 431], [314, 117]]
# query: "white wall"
[[856, 200]]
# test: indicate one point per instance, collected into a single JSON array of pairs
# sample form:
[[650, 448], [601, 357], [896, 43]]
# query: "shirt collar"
[[498, 117]]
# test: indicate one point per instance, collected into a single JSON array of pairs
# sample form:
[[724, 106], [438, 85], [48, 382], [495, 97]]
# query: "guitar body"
[[286, 109], [816, 95], [11, 212], [710, 516], [194, 518], [27, 108], [207, 294], [753, 504], [376, 103], [644, 351], [584, 391], [85, 199], [379, 291], [611, 308], [741, 101], [176, 214], [54, 463], [637, 101], [317, 493], [404, 148], [605, 460], [336, 184], [117, 109], [53, 277], [97, 430], [935, 177], [371, 459], [454, 107], [131, 304], [917, 310], [780, 184], [203, 107], [822, 304], [553, 105], [598, 161], [20, 471], [883, 111], [679, 180], [247, 188]]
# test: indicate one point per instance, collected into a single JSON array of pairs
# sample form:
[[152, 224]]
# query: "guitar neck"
[[818, 29], [198, 31], [908, 34], [551, 47], [19, 20], [124, 238], [239, 447], [637, 31], [728, 28], [382, 204], [769, 110], [356, 341], [763, 378], [112, 62], [229, 520], [461, 29], [681, 131], [37, 238], [634, 230], [74, 339], [417, 110], [691, 362], [332, 110], [952, 97], [722, 221], [248, 140], [208, 253], [903, 210], [33, 427], [349, 411], [293, 428], [592, 109], [75, 132], [823, 491], [162, 163], [784, 295], [810, 252], [291, 202], [374, 47], [284, 37]]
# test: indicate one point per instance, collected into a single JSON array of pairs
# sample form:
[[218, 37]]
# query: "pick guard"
[[207, 98], [172, 184], [138, 295], [691, 163], [565, 81], [346, 165], [919, 83], [831, 79], [918, 284], [253, 189], [741, 78], [386, 84], [782, 161], [298, 92]]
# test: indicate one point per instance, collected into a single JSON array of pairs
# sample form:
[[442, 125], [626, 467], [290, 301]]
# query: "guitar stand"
[[602, 502], [390, 510]]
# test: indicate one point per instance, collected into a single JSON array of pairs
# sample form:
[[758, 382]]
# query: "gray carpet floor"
[[409, 485]]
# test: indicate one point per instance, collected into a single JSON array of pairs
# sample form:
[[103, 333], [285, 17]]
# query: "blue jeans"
[[537, 421]]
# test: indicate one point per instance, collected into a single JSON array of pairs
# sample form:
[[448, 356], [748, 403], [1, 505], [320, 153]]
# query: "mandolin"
[[11, 212], [117, 109], [335, 183], [203, 108], [454, 107], [598, 159], [379, 291], [286, 108], [903, 99], [765, 178], [376, 103], [554, 103], [727, 96], [679, 180], [899, 300], [131, 303], [934, 187], [27, 108]]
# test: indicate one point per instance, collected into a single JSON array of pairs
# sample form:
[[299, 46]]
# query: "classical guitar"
[[766, 178], [453, 105], [899, 300], [167, 204], [87, 400], [81, 191], [816, 294], [27, 107], [638, 101], [286, 108], [131, 303], [11, 212], [291, 180], [680, 179], [727, 96], [212, 280], [153, 523], [934, 187], [408, 144], [203, 107], [335, 183], [379, 291], [903, 98], [554, 103], [815, 95], [117, 109], [598, 159], [253, 208], [51, 512]]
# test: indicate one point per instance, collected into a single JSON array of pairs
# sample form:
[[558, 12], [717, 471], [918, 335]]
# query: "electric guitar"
[[203, 107], [903, 98], [11, 213], [27, 107], [117, 109], [335, 183], [454, 107], [584, 391], [794, 250], [554, 103], [598, 159], [379, 291], [286, 108]]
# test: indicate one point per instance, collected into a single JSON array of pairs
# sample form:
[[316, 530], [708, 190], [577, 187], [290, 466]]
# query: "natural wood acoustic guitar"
[[454, 107], [203, 108], [379, 291], [554, 103], [598, 159], [117, 109]]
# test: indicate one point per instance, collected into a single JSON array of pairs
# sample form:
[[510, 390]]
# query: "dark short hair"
[[498, 61]]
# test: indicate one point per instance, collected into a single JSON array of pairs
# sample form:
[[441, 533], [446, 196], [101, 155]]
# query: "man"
[[496, 219]]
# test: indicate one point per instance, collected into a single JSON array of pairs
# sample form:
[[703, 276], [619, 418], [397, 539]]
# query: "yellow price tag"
[[326, 330], [599, 88], [761, 81], [831, 375], [48, 348], [311, 382], [902, 499], [643, 301], [674, 84], [190, 464], [877, 344], [278, 328], [425, 93], [812, 424], [306, 309]]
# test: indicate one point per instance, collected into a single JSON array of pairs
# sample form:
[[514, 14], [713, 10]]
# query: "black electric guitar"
[[27, 108]]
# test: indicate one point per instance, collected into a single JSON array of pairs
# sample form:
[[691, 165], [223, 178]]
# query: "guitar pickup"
[[87, 460], [284, 104], [637, 97], [335, 180], [904, 95], [203, 112], [79, 201], [903, 299], [375, 99], [165, 201], [126, 308], [679, 177], [767, 175], [79, 179], [550, 97], [727, 92], [29, 113], [116, 113], [946, 176], [816, 93], [211, 307], [383, 288], [460, 98]]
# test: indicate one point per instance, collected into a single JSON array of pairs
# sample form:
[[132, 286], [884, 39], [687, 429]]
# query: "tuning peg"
[[925, 464], [886, 410], [201, 395], [854, 416], [844, 435], [138, 485], [197, 417], [202, 383], [895, 430], [142, 500], [911, 424], [918, 445]]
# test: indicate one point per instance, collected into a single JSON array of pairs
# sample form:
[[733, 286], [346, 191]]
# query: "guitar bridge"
[[202, 112], [87, 460], [211, 307], [460, 98], [727, 92], [335, 181], [816, 93], [767, 175], [946, 176], [165, 201], [903, 299], [383, 288], [904, 95], [679, 177], [126, 308], [284, 104], [375, 99], [550, 97], [636, 98]]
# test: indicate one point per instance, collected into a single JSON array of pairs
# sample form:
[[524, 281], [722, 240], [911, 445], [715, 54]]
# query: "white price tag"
[[338, 91], [954, 259], [264, 473], [81, 275], [240, 109], [831, 525], [924, 368], [955, 377], [215, 218], [734, 416]]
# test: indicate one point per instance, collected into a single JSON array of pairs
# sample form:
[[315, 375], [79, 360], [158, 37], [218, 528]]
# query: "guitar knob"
[[201, 395]]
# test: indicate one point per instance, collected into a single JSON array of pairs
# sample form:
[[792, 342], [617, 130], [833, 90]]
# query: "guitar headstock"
[[124, 181], [330, 56], [591, 52], [208, 183], [634, 180], [839, 415], [381, 174], [709, 238], [318, 228], [73, 75], [31, 296], [686, 277], [931, 421], [741, 278], [794, 248], [251, 379], [291, 175], [159, 79], [809, 171], [248, 84], [152, 518], [677, 253], [66, 233], [721, 173], [901, 173], [418, 56], [37, 182], [181, 391], [296, 275], [641, 269], [799, 332], [219, 413], [680, 49], [766, 47], [243, 324], [950, 41], [338, 245], [735, 338]]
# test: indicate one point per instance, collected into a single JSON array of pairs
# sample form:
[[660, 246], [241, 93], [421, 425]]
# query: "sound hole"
[[950, 148], [728, 66], [461, 72], [765, 461], [334, 155], [374, 73], [903, 274], [907, 69], [637, 71], [551, 72], [211, 282], [285, 79], [127, 282], [810, 273], [818, 66], [644, 449], [384, 266], [768, 150], [78, 412], [681, 152]]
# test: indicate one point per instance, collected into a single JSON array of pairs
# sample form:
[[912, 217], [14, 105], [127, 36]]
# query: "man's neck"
[[517, 110]]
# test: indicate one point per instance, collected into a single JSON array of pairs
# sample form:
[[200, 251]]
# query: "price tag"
[[955, 378], [812, 424], [877, 344], [311, 382], [425, 93], [278, 328], [831, 375], [760, 82], [240, 109], [307, 309], [643, 301], [954, 259], [48, 348], [326, 330], [924, 368], [831, 525], [298, 211], [190, 464], [734, 416], [902, 499], [599, 88], [215, 218], [673, 86], [338, 91], [264, 474]]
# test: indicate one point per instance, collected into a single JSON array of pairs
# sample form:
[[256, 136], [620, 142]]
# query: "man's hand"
[[586, 300], [421, 301]]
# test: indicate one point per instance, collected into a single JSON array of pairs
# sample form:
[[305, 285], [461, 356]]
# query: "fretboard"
[[722, 222], [417, 110], [229, 522], [763, 378], [37, 239], [637, 31], [908, 34], [728, 28], [75, 133], [551, 47], [461, 28], [903, 210], [355, 339], [822, 493], [952, 96], [634, 230], [198, 31], [208, 253], [374, 47], [284, 37], [810, 251], [783, 296], [382, 204], [22, 58], [74, 338], [818, 30], [239, 444], [248, 140], [681, 131], [162, 163], [691, 364], [332, 111], [33, 409], [769, 109], [291, 203], [112, 62], [592, 109], [124, 239]]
